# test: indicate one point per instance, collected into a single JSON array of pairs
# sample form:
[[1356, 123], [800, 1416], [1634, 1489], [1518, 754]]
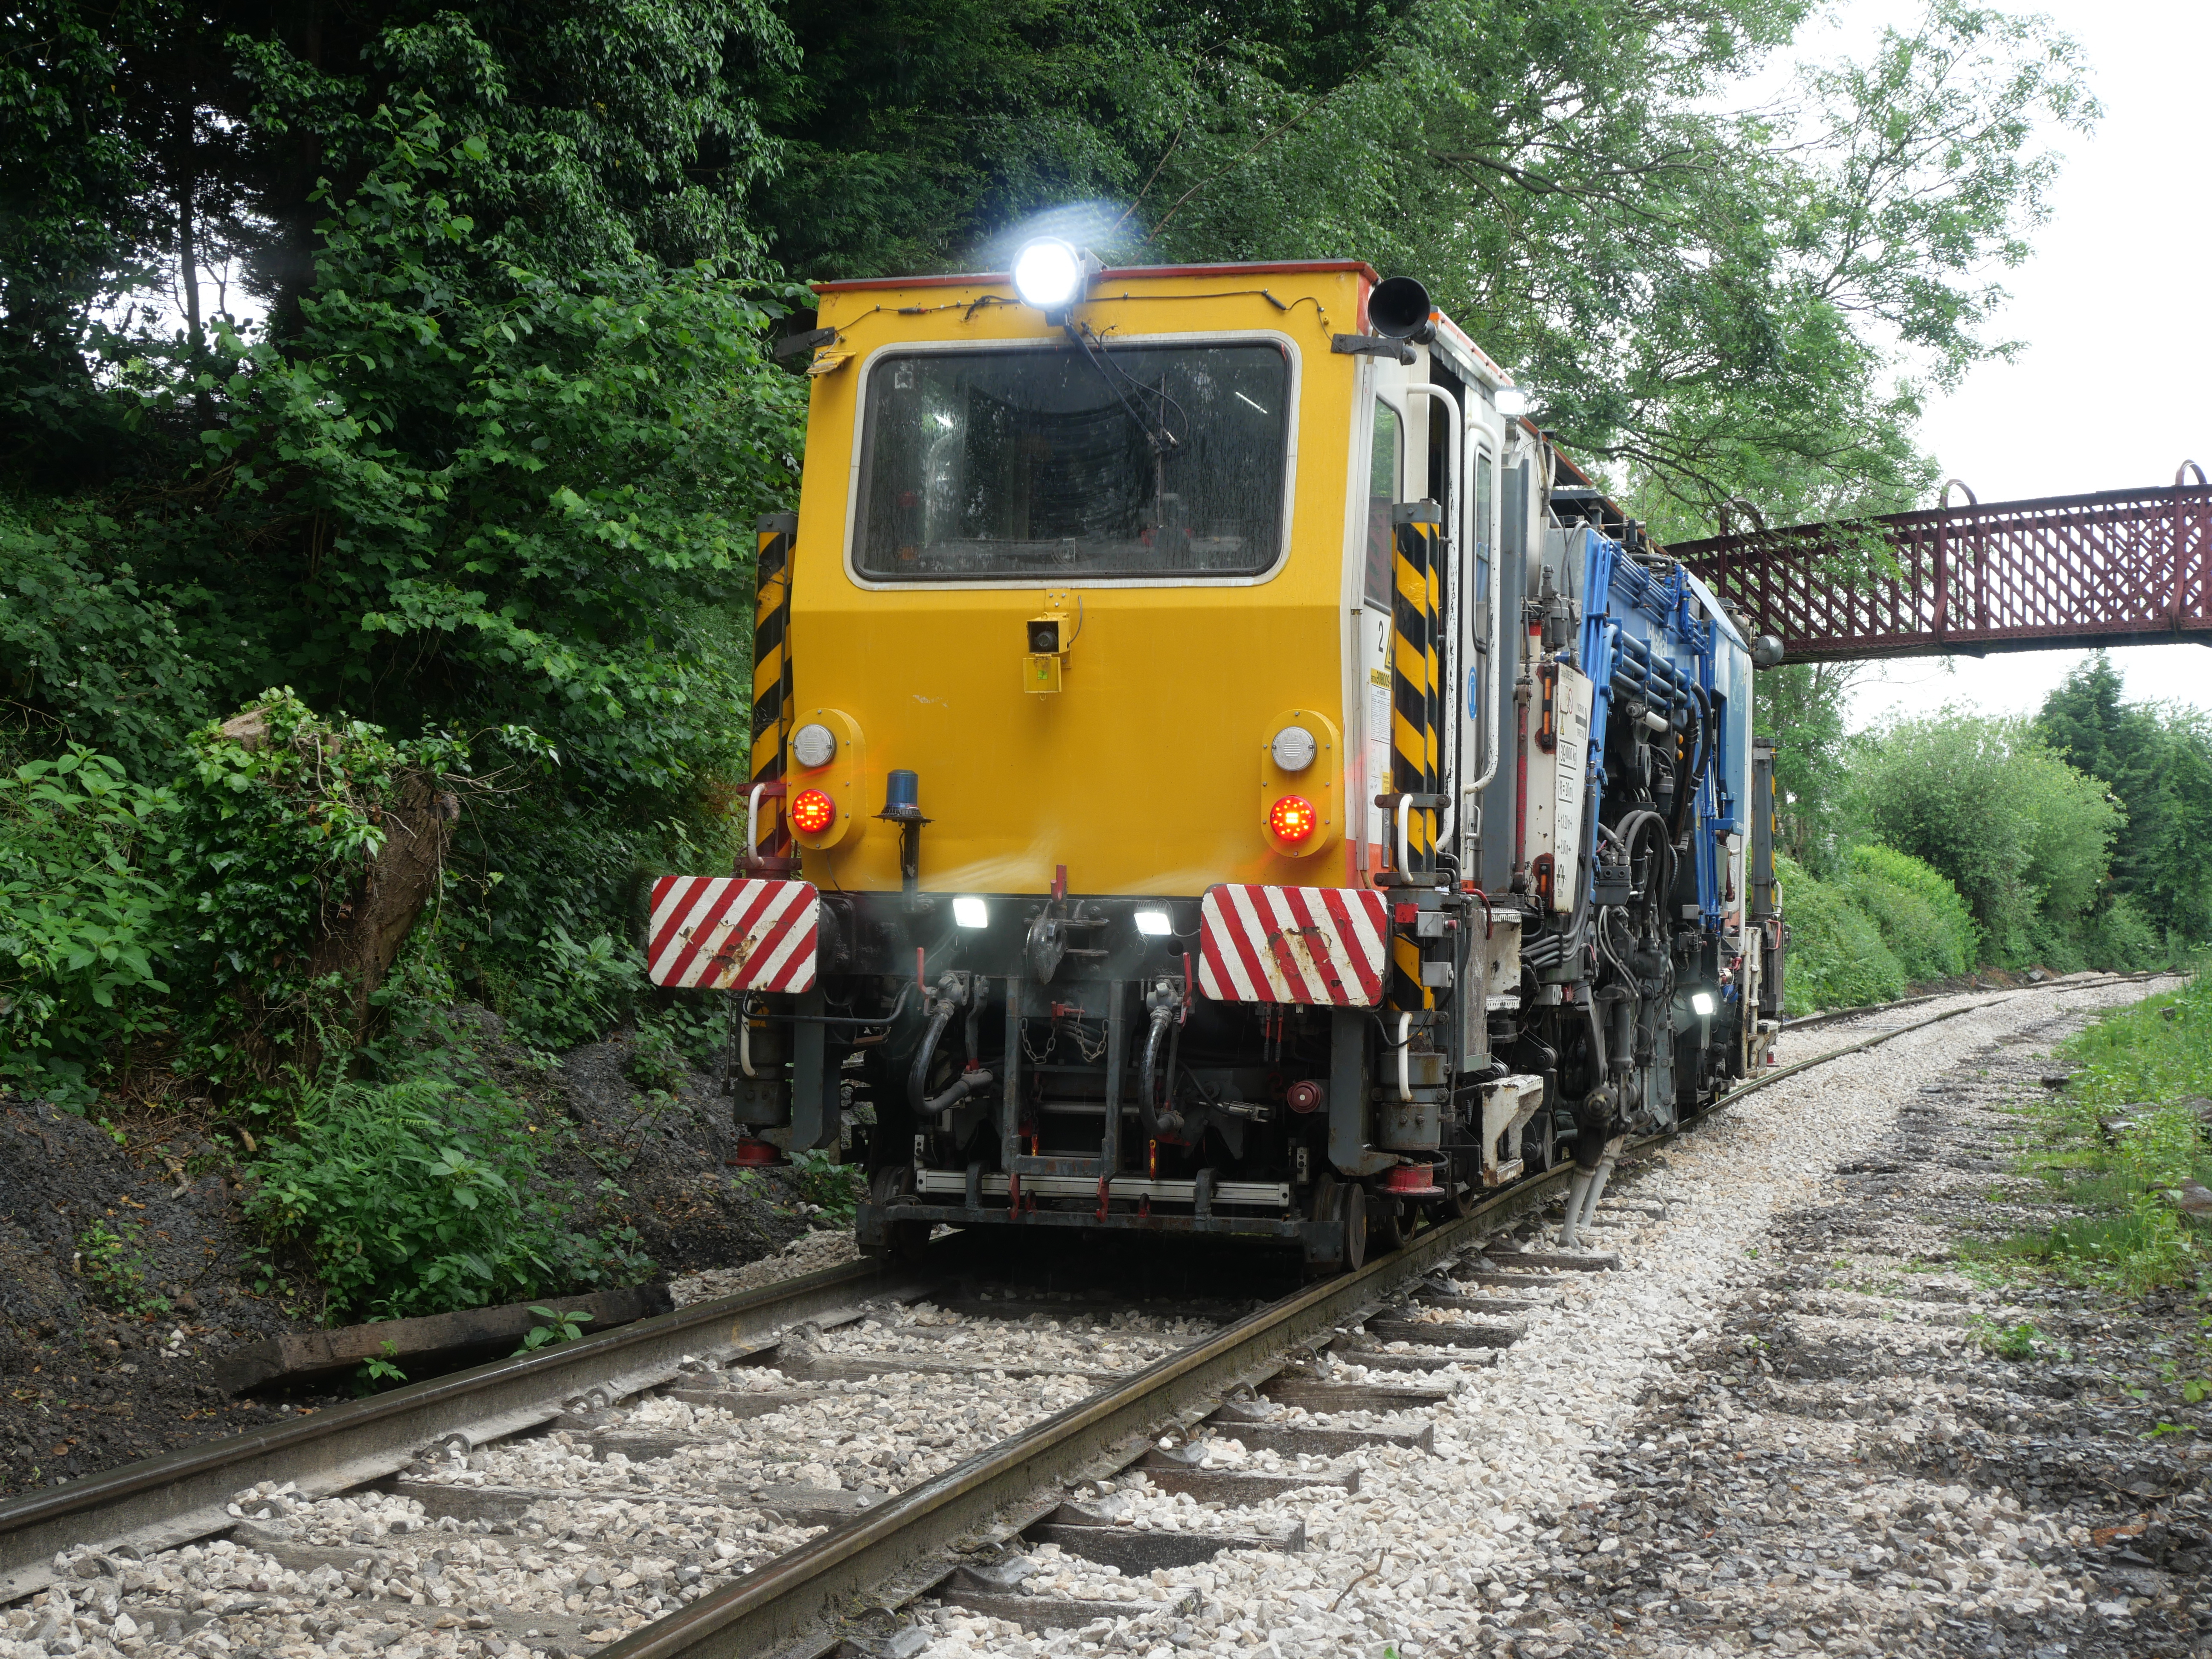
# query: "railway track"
[[750, 1476]]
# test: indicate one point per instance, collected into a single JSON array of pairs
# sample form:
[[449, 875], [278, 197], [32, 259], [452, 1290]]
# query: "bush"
[[419, 1197], [1923, 919], [2025, 837], [87, 646], [282, 814], [1838, 957], [579, 993], [85, 915], [2122, 938]]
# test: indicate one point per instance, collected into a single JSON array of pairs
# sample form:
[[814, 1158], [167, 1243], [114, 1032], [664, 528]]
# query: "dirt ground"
[[126, 1266], [1850, 1465]]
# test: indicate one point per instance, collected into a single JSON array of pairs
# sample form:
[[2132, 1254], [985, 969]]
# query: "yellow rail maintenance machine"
[[1216, 769]]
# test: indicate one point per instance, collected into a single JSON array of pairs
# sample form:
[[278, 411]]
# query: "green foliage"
[[1922, 918], [2021, 1341], [2158, 760], [85, 915], [836, 1187], [2122, 1142], [280, 815], [419, 1196], [116, 1260], [656, 1058], [479, 494], [558, 1328], [379, 1369], [1838, 957], [99, 654], [2159, 1049], [577, 992], [145, 136], [1800, 706], [2120, 936], [2023, 835]]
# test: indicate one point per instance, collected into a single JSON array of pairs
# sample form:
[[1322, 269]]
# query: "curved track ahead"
[[793, 1602]]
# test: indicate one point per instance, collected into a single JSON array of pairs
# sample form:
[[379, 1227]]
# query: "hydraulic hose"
[[917, 1081], [1156, 1120], [1686, 784], [1637, 824], [967, 1084], [1594, 1116]]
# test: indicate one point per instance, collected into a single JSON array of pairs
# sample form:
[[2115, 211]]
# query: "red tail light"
[[1292, 819], [812, 812]]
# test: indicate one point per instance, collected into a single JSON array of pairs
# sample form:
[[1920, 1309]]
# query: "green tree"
[[2158, 764], [2025, 837], [519, 499], [148, 139], [1705, 302], [1800, 706]]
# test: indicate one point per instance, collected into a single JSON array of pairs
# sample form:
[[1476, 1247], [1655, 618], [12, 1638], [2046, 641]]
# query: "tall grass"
[[2116, 1148]]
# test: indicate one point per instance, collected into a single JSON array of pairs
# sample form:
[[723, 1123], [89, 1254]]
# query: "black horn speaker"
[[1399, 309]]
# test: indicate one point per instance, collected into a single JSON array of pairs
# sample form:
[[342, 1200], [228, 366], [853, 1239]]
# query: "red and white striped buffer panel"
[[729, 933], [1312, 945]]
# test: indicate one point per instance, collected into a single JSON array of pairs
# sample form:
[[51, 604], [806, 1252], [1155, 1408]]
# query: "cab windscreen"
[[1041, 463]]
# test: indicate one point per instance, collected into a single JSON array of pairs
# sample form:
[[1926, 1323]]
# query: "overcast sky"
[[2114, 389]]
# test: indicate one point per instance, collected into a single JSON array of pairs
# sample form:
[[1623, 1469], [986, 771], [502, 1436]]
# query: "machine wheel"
[[1457, 1201], [1536, 1151], [1352, 1205], [1387, 1223], [1340, 1204], [907, 1240]]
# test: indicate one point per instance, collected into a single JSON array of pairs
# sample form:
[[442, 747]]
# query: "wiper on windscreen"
[[1164, 441]]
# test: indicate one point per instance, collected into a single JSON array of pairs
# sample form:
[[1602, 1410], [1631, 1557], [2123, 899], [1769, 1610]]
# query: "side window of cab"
[[1383, 472]]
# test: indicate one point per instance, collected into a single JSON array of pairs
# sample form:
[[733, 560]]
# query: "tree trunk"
[[364, 938]]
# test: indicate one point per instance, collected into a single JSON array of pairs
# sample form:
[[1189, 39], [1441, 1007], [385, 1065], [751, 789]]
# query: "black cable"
[[1162, 437]]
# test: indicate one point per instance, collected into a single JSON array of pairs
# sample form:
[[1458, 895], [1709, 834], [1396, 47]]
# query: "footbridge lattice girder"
[[2119, 567]]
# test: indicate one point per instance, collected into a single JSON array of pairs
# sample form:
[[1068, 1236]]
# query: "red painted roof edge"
[[972, 279]]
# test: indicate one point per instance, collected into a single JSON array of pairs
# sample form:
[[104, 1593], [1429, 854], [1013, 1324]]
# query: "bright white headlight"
[[1047, 274], [971, 913], [1154, 924], [1293, 749], [813, 745], [1511, 400], [1703, 1002]]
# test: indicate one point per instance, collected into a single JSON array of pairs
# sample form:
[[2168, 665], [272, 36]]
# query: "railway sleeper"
[[848, 1368], [1296, 1386], [1136, 1551], [1045, 1613], [1563, 1261], [1498, 1307], [1355, 1351], [1435, 1333], [1304, 1439]]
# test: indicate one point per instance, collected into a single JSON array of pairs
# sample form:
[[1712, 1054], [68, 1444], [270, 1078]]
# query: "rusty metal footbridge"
[[2125, 567]]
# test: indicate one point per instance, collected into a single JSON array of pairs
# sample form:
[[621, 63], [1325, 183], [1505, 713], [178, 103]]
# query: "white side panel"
[[1555, 789], [1374, 660]]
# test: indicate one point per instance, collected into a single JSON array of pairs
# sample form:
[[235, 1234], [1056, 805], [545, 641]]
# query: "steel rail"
[[789, 1607], [163, 1501], [791, 1604], [1832, 1015]]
